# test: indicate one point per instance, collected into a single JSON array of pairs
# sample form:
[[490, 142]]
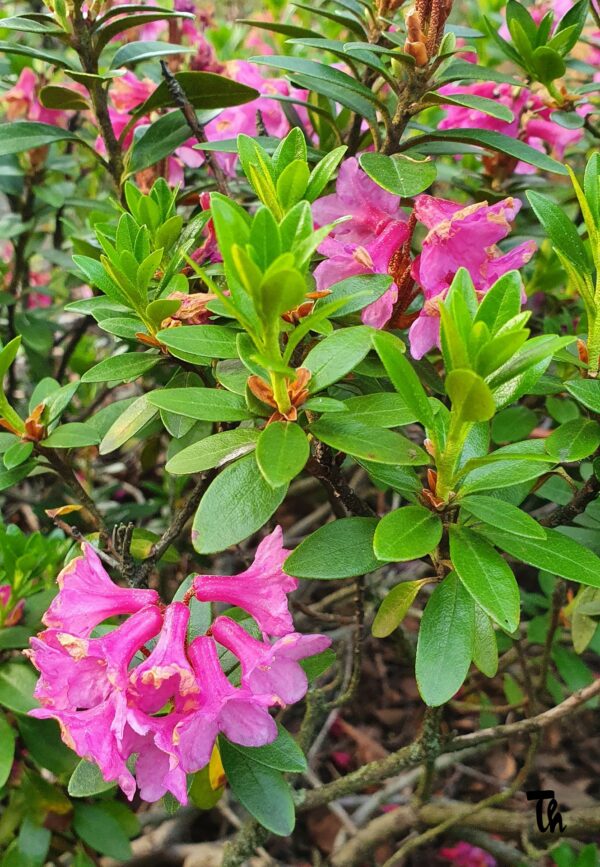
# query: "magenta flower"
[[356, 195], [21, 102], [261, 590], [373, 257], [465, 855], [270, 668], [460, 236], [235, 711], [156, 771], [166, 673], [10, 611], [87, 596]]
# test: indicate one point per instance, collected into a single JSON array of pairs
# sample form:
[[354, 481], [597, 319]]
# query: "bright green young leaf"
[[470, 395], [560, 229], [445, 643], [486, 575], [340, 549], [210, 341], [394, 607], [72, 435], [403, 376], [407, 534], [236, 504], [282, 451], [383, 409]]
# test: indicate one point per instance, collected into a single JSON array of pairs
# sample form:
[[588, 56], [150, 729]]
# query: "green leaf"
[[487, 576], [498, 513], [281, 452], [394, 607], [121, 368], [62, 98], [236, 504], [263, 791], [560, 229], [17, 454], [462, 70], [136, 52], [42, 24], [205, 90], [87, 780], [127, 424], [45, 746], [283, 754], [52, 57], [7, 749], [574, 440], [17, 682], [385, 409], [72, 435], [485, 646], [403, 376], [97, 827], [445, 643], [557, 554], [586, 391], [322, 173], [205, 404], [209, 341], [495, 141], [336, 355], [471, 396], [548, 64], [360, 290], [407, 534], [213, 451], [24, 135], [491, 107], [292, 183], [340, 549], [159, 140], [364, 441], [401, 175]]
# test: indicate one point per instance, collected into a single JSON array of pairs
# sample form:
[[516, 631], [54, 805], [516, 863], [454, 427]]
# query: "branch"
[[344, 500], [579, 503]]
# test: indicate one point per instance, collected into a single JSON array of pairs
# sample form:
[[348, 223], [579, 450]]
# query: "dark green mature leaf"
[[210, 341], [51, 57], [328, 75], [160, 139], [485, 646], [263, 791], [574, 440], [462, 70], [445, 643], [394, 607], [560, 229], [128, 422], [205, 404], [87, 780], [360, 290], [491, 107], [204, 90], [63, 98], [7, 749], [213, 451], [72, 435], [498, 513], [341, 549], [337, 355], [402, 175], [96, 826], [291, 30], [486, 575], [494, 141], [281, 452], [557, 554], [586, 391], [42, 24], [364, 441], [121, 368], [17, 682], [384, 409], [136, 52], [283, 754], [24, 135], [407, 534], [237, 503]]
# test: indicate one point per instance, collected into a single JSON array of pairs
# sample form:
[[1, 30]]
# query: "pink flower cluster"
[[115, 697], [21, 102], [458, 236]]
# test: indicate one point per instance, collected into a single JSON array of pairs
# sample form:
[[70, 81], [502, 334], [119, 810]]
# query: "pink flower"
[[460, 236], [87, 596], [373, 257], [356, 195], [261, 590], [166, 673], [465, 855], [21, 102], [129, 91], [235, 711], [270, 668], [156, 771], [11, 612]]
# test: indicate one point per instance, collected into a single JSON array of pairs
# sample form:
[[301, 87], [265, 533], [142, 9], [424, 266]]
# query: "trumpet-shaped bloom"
[[166, 673], [460, 236], [87, 596], [356, 195], [156, 771], [270, 668], [235, 711], [261, 590]]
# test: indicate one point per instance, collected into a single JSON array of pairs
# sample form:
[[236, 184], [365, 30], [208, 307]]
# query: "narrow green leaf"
[[403, 376], [204, 404], [498, 513], [364, 441], [121, 368], [213, 451], [394, 607]]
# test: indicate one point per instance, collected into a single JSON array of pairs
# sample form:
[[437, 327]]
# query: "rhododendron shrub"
[[300, 429]]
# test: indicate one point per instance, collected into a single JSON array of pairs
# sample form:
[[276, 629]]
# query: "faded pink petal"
[[87, 596], [270, 668], [261, 590]]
